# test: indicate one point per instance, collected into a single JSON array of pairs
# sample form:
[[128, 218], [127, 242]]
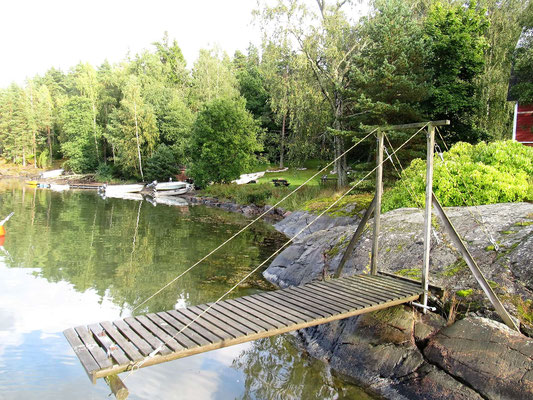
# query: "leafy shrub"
[[497, 172], [223, 142], [162, 165], [104, 172]]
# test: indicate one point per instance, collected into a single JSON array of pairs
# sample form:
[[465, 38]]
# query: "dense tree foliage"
[[322, 76], [224, 140]]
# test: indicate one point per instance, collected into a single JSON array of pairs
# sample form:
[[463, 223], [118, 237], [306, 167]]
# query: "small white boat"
[[166, 193], [52, 174], [59, 188], [134, 188], [164, 186]]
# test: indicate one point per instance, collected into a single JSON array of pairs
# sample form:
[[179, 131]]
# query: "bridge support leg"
[[427, 213], [456, 239], [117, 387], [355, 237], [377, 208]]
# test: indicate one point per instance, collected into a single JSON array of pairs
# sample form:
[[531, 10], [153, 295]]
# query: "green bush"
[[486, 173], [162, 165], [104, 172]]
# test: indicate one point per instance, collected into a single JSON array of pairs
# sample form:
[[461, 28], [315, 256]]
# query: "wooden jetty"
[[108, 348]]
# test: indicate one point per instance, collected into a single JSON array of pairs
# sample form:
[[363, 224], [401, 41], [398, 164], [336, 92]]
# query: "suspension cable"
[[249, 224], [139, 364]]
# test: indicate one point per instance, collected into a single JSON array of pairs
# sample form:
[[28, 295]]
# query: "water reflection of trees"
[[275, 368], [127, 250]]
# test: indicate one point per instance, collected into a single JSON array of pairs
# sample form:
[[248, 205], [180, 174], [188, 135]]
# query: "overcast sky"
[[37, 35]]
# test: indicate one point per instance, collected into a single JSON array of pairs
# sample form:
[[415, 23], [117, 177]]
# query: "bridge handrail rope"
[[481, 220], [139, 364], [250, 223]]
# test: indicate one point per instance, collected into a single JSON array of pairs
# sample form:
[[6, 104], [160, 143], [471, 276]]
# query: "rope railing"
[[139, 364], [249, 224]]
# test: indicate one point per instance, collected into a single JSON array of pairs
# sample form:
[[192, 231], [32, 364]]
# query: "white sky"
[[38, 34]]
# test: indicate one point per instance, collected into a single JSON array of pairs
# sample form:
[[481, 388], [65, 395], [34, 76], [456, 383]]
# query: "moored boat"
[[133, 188]]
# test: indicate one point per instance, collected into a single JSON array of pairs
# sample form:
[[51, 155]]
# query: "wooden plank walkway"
[[109, 348]]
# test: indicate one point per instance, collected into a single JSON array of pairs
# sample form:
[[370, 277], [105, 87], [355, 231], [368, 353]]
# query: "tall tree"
[[506, 23], [456, 40], [328, 40], [213, 77], [76, 135], [86, 81], [133, 130]]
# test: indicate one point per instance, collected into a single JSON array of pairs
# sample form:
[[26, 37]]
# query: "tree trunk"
[[49, 139], [138, 144], [282, 150], [340, 164], [94, 132]]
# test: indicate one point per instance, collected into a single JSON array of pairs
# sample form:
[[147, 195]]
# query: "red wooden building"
[[523, 124]]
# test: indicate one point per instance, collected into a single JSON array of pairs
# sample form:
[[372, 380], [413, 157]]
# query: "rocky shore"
[[399, 353], [250, 210]]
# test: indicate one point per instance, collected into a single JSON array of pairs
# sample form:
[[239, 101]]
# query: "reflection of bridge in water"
[[106, 349]]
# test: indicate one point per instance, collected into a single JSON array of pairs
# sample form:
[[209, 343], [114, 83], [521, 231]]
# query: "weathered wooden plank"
[[141, 344], [249, 305], [257, 321], [194, 327], [87, 361], [148, 336], [307, 312], [94, 348], [322, 294], [362, 294], [392, 282], [364, 290], [242, 324], [286, 309], [379, 288], [175, 328], [158, 332], [375, 287], [204, 324], [294, 312], [347, 292], [185, 340], [111, 348], [130, 350], [397, 287], [340, 292], [221, 321], [305, 300]]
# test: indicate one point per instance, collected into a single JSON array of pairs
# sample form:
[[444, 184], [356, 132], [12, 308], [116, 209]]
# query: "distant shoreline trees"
[[319, 79]]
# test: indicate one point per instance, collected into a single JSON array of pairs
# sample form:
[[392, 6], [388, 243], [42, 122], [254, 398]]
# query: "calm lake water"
[[73, 258]]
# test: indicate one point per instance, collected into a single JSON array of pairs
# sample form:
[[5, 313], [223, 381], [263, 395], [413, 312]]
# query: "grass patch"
[[524, 223], [410, 273], [509, 232], [358, 203], [455, 268], [294, 176], [464, 293]]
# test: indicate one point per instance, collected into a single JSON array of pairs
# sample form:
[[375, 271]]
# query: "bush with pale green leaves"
[[486, 173]]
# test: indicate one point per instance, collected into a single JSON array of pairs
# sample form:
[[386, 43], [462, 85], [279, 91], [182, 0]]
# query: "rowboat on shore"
[[133, 188]]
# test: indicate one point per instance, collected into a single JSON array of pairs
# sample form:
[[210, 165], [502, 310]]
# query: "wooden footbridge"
[[108, 348]]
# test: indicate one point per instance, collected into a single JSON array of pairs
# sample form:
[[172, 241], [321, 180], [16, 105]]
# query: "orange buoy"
[[2, 230], [2, 240]]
